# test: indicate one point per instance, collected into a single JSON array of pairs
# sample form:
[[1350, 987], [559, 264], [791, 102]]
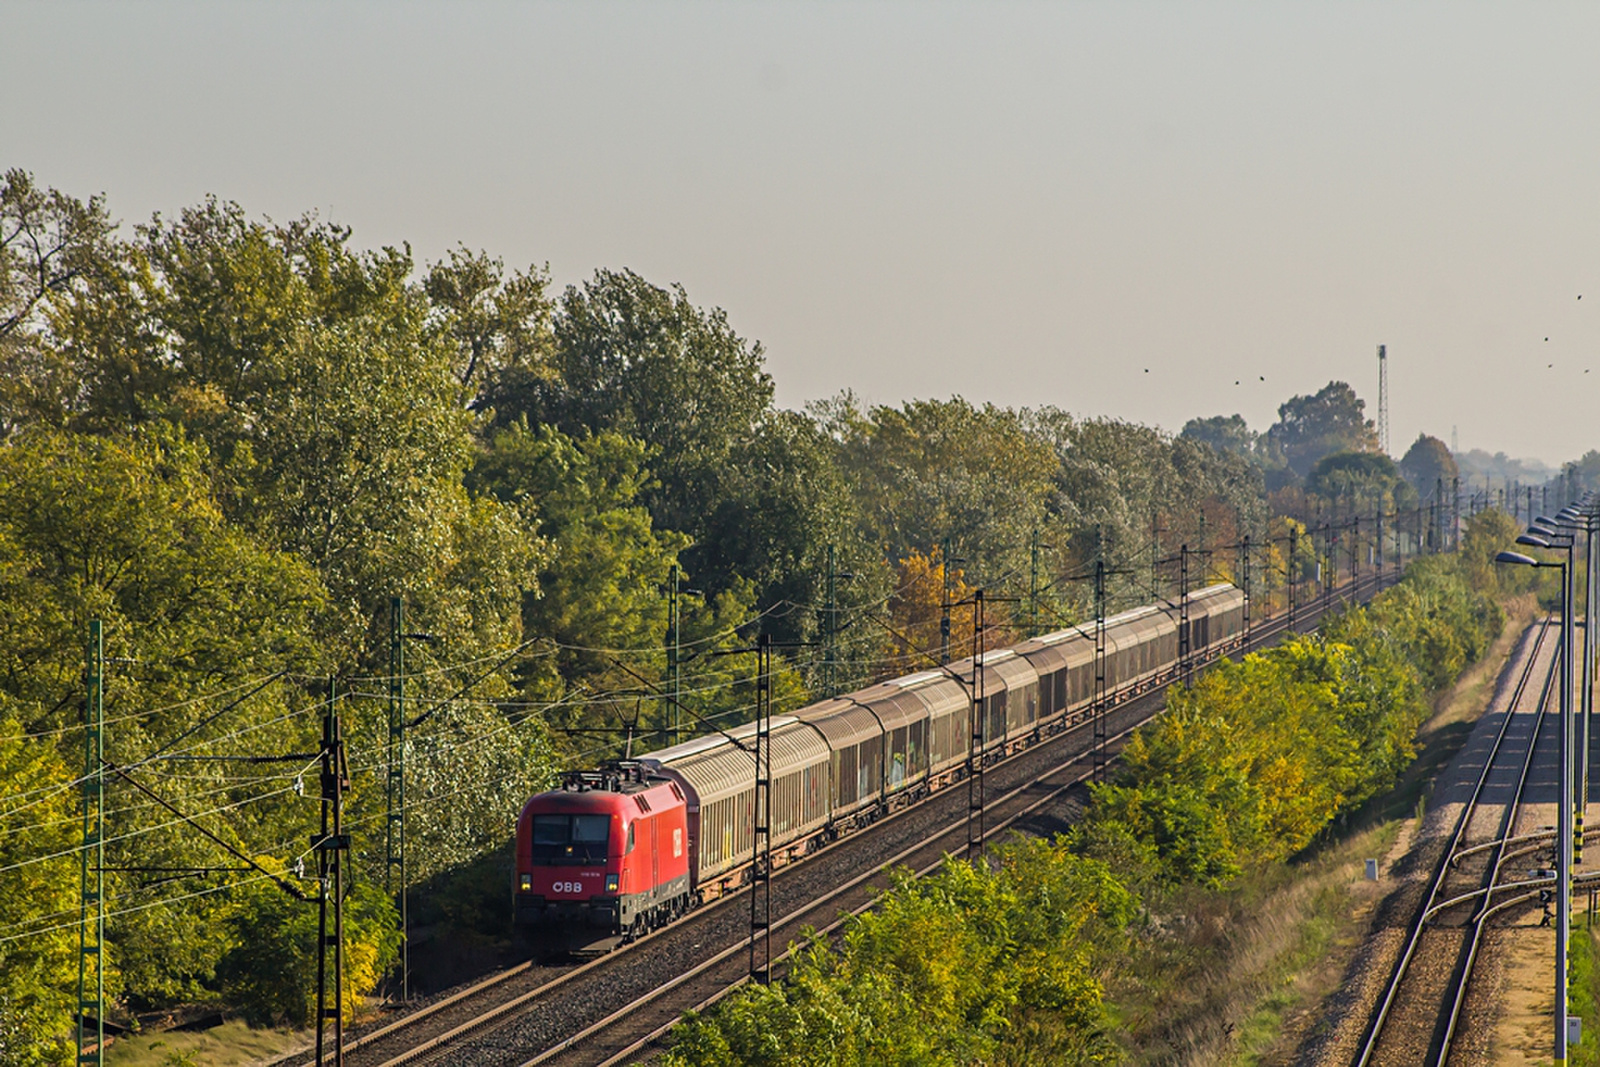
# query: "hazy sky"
[[1023, 203]]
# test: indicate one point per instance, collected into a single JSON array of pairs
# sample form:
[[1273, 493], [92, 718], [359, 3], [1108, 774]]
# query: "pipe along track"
[[494, 1002]]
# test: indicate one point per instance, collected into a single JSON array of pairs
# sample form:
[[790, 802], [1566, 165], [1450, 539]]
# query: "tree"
[[1310, 427], [1120, 486], [1356, 480], [937, 470], [1227, 433], [51, 245], [916, 611], [781, 508], [270, 970], [127, 530], [327, 391], [1585, 470], [969, 965], [641, 360], [603, 587], [498, 325], [1427, 463], [38, 950]]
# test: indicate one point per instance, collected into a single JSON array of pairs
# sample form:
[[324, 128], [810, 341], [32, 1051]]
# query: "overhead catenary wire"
[[166, 902], [62, 787], [143, 830], [62, 731]]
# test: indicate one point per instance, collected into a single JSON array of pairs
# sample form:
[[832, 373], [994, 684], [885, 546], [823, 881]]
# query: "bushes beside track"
[[969, 965], [1259, 756], [1247, 767]]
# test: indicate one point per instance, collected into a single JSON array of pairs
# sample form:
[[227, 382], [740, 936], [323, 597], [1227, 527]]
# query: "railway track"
[[559, 1014], [628, 1031], [1418, 1018]]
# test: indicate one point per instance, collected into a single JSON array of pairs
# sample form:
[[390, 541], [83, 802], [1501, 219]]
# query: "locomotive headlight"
[[611, 883], [527, 882]]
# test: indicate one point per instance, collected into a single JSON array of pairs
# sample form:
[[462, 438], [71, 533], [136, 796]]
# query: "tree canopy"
[[1331, 420], [1427, 464]]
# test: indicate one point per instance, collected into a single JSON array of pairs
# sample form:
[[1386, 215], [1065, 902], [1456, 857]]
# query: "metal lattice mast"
[[1455, 514], [395, 838], [1100, 737], [330, 845], [761, 825], [1155, 556], [1377, 551], [91, 908], [1185, 639], [1294, 552], [1383, 399], [1355, 548], [675, 652], [830, 683], [1244, 575], [977, 737], [1330, 566], [1033, 587], [944, 603]]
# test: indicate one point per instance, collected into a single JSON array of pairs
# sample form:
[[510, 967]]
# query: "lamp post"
[[1564, 814], [1575, 517], [1585, 516]]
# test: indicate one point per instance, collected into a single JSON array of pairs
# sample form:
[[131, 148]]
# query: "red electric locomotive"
[[605, 856]]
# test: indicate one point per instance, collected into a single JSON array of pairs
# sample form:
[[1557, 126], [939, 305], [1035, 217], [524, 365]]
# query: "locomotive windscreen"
[[570, 838]]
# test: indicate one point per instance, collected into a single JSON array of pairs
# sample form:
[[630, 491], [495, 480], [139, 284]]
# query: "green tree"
[[127, 530], [1426, 463], [270, 968], [1120, 484], [498, 325], [1225, 433], [782, 507], [38, 905], [603, 588], [641, 360], [970, 965], [51, 246], [1331, 420], [933, 470], [328, 392], [1359, 482]]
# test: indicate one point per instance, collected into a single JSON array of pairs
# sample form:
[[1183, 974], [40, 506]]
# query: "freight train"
[[626, 849]]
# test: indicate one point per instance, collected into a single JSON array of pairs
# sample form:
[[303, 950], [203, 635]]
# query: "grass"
[[1583, 994], [233, 1044], [1221, 982]]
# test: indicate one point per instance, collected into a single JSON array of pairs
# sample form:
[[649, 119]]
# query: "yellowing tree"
[[918, 606]]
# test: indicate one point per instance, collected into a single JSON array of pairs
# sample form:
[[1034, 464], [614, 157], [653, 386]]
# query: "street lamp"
[[1564, 815], [1584, 517], [1573, 518]]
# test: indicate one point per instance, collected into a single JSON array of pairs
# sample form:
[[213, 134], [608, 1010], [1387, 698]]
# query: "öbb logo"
[[566, 887]]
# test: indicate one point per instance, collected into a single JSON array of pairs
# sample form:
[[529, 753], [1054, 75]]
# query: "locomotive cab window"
[[570, 838], [630, 837]]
